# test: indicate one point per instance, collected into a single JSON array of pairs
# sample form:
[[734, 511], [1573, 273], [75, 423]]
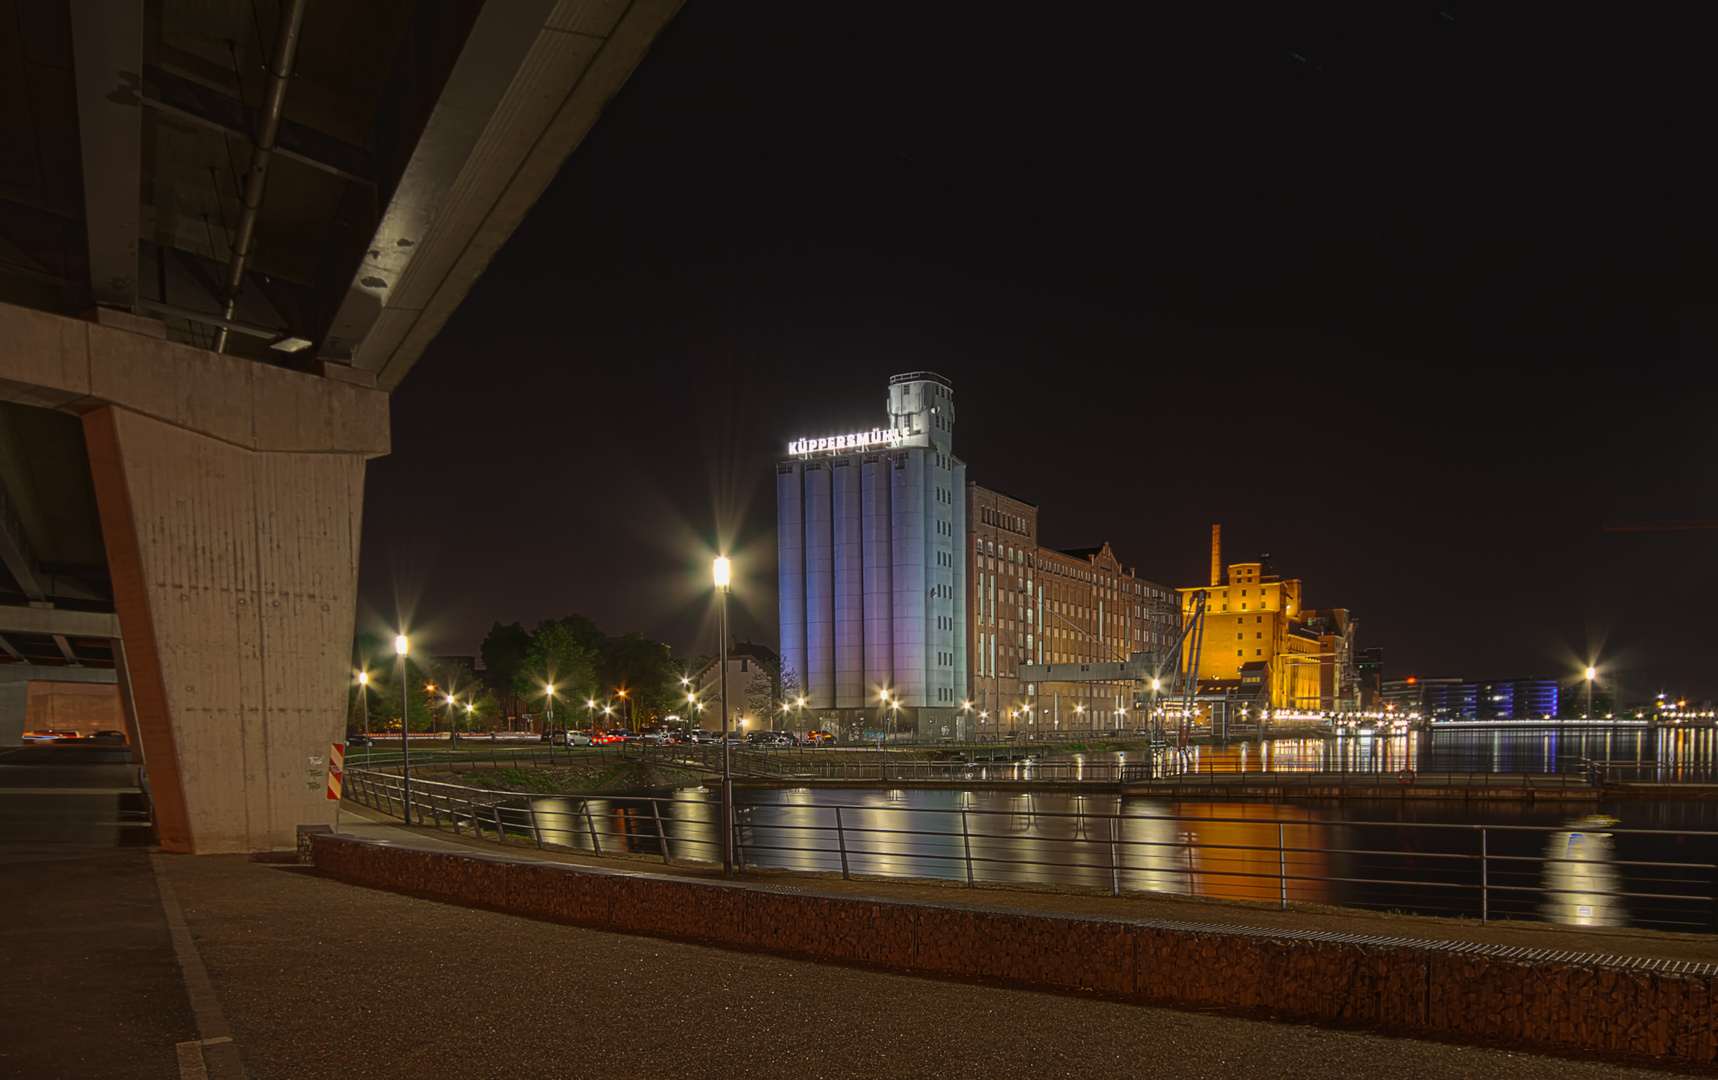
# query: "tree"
[[557, 658], [454, 678], [645, 669], [790, 694], [503, 651], [384, 690], [760, 696]]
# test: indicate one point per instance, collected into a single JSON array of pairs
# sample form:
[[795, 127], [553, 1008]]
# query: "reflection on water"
[[1636, 751], [1414, 856], [1580, 875], [1250, 859]]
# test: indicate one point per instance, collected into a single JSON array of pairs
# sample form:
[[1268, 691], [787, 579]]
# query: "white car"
[[574, 738]]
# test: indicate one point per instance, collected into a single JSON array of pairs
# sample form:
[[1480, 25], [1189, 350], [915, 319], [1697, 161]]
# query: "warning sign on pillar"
[[336, 759]]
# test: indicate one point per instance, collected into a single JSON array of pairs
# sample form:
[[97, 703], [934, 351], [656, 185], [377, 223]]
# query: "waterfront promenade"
[[258, 967], [318, 978]]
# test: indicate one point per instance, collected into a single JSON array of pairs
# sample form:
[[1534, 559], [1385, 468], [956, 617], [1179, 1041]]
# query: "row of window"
[[989, 515]]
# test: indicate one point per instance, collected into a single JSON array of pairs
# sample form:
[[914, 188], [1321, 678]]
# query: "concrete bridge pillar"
[[235, 574], [230, 494]]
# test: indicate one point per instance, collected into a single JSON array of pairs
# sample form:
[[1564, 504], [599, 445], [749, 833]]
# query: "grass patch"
[[511, 780]]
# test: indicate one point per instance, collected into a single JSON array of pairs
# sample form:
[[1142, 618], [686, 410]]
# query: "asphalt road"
[[323, 979]]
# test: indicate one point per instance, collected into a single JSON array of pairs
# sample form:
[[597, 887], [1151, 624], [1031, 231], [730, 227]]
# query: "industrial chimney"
[[1216, 555]]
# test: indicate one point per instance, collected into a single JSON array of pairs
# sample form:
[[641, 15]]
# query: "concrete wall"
[[231, 495], [1400, 988], [235, 574]]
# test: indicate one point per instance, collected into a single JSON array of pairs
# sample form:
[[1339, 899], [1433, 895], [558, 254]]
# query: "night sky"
[[1415, 297]]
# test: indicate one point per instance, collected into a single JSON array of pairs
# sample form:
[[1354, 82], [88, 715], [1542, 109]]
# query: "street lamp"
[[364, 695], [1591, 672], [549, 692], [400, 648], [722, 573]]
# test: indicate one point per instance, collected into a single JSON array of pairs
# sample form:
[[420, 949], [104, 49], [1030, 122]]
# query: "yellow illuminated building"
[[1259, 642]]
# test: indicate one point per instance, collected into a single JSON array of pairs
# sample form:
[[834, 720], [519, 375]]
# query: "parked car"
[[817, 737], [354, 738], [769, 738], [575, 738]]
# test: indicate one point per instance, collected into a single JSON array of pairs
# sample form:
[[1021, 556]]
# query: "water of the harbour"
[[1655, 864]]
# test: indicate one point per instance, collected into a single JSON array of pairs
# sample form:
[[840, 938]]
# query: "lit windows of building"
[[1306, 657]]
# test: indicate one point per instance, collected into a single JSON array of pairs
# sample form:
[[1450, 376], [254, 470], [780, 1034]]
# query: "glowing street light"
[[723, 575], [401, 647], [364, 695], [1591, 673]]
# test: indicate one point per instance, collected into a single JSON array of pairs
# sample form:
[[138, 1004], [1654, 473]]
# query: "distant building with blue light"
[[871, 535], [1468, 699]]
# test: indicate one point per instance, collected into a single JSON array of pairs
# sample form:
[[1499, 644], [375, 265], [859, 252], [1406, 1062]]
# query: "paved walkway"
[[120, 963], [324, 979], [89, 982]]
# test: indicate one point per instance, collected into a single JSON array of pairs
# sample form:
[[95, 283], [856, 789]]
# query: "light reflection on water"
[[1355, 854], [1662, 755]]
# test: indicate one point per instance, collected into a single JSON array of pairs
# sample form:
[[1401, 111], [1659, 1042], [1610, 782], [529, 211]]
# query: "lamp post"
[[452, 732], [400, 647], [1591, 672], [722, 572], [549, 691], [364, 695], [691, 701]]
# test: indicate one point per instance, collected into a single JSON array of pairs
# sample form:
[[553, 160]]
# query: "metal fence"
[[1007, 761], [1596, 875]]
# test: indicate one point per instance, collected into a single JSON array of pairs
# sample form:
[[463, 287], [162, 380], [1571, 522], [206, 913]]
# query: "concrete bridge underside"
[[196, 360]]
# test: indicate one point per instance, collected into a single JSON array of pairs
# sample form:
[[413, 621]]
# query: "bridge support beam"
[[235, 573], [230, 495]]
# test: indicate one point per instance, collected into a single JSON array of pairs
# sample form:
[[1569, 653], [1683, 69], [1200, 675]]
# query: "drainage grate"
[[1466, 948]]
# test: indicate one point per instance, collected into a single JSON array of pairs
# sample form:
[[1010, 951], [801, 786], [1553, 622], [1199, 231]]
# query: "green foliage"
[[645, 669], [513, 779], [503, 651], [557, 657], [384, 697], [573, 653]]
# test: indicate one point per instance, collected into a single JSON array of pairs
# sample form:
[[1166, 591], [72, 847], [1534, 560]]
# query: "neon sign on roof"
[[859, 440]]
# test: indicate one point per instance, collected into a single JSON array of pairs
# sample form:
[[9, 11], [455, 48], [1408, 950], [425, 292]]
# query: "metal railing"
[[1010, 762], [1655, 878], [1650, 772]]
